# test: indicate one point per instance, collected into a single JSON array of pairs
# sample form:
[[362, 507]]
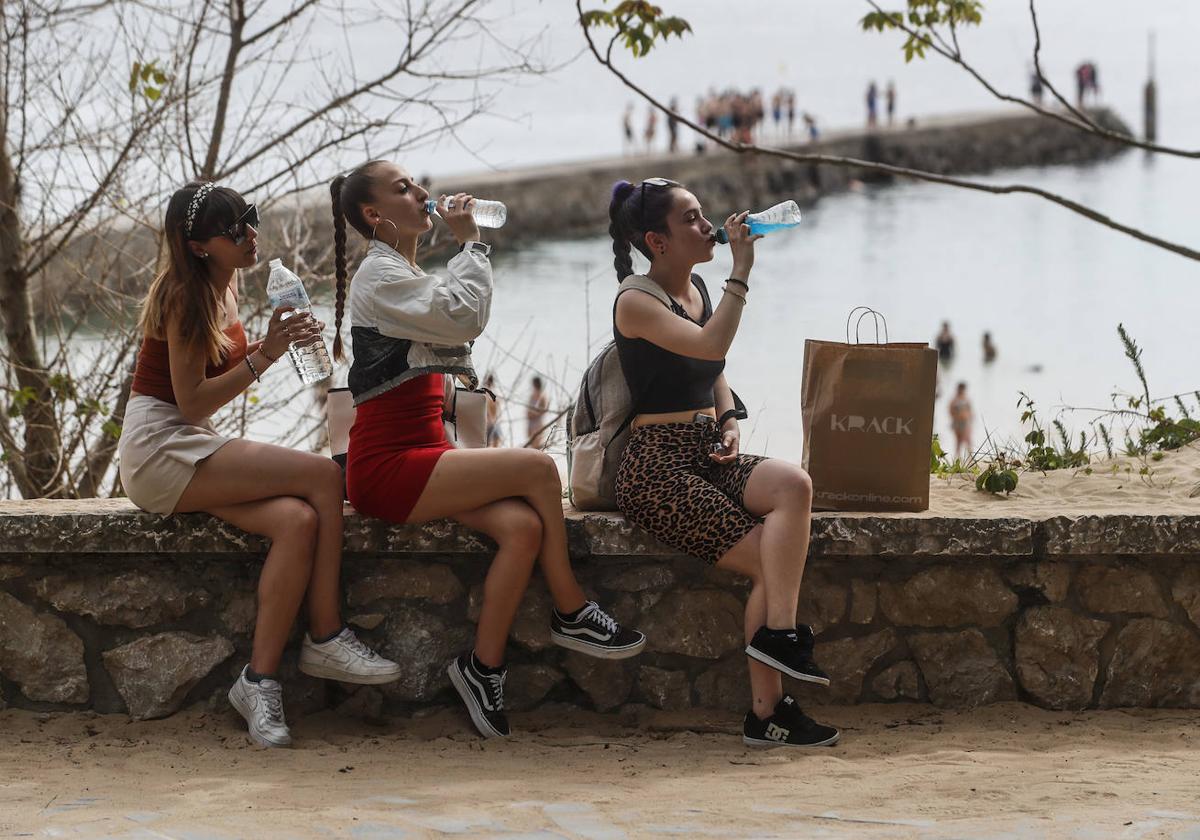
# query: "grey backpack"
[[598, 422]]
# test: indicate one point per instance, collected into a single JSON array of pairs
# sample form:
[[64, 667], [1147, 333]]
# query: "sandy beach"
[[900, 771]]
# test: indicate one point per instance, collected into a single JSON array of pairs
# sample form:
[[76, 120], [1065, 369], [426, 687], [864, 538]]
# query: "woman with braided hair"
[[409, 329], [681, 476], [195, 359]]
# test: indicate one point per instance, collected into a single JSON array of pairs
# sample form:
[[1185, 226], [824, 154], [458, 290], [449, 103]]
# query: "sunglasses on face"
[[237, 231]]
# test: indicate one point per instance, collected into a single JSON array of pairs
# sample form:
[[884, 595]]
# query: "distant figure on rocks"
[[627, 124], [494, 437], [1087, 80], [1035, 86], [945, 343], [673, 127], [535, 414], [989, 349], [961, 420], [651, 126], [810, 125], [890, 99], [791, 112], [872, 105]]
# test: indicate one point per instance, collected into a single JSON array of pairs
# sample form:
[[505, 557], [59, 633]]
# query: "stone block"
[[917, 536], [366, 621], [41, 654], [606, 682], [8, 571], [1058, 656], [822, 601], [1186, 592], [531, 627], [961, 670], [1123, 588], [948, 596], [425, 645], [725, 685], [1154, 663], [128, 599], [406, 580], [1049, 579], [640, 578], [240, 613], [527, 685], [864, 600], [898, 682], [664, 689], [702, 623], [366, 703], [1113, 534], [847, 662], [154, 673]]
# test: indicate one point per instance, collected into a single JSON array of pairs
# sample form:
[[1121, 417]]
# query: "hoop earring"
[[377, 224]]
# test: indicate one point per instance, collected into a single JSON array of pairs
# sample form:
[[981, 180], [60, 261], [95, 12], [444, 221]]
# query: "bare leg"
[[766, 684], [244, 471], [517, 531], [291, 525], [467, 479]]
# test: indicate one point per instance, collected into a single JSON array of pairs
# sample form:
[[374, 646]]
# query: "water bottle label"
[[294, 296]]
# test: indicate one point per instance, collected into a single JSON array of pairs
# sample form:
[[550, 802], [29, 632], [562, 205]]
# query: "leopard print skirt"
[[668, 485]]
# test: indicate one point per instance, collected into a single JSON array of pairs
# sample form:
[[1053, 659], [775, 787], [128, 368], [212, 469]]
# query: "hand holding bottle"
[[741, 244], [284, 331], [456, 212]]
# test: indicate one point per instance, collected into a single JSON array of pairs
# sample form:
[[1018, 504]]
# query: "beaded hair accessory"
[[195, 204]]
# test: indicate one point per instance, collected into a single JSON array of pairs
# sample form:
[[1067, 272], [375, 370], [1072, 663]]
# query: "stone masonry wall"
[[105, 607]]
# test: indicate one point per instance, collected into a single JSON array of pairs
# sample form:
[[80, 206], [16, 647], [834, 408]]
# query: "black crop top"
[[660, 381]]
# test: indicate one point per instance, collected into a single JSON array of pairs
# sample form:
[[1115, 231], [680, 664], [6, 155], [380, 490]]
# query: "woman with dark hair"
[[195, 359], [409, 329], [682, 477]]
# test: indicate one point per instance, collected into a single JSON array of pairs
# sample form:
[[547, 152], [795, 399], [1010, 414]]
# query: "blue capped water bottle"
[[786, 214]]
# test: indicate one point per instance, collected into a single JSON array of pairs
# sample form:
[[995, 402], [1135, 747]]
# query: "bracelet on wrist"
[[736, 294], [272, 359], [741, 283], [253, 369]]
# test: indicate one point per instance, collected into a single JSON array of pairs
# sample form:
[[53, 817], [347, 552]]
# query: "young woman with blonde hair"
[[195, 359], [409, 329]]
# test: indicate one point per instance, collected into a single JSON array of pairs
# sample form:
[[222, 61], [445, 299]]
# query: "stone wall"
[[571, 199], [105, 607]]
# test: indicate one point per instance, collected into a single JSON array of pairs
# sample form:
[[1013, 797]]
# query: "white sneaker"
[[261, 704], [346, 659]]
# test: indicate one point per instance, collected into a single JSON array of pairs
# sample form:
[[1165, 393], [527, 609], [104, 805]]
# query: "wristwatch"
[[480, 247]]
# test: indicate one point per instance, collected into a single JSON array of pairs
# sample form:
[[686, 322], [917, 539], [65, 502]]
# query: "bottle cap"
[[276, 263]]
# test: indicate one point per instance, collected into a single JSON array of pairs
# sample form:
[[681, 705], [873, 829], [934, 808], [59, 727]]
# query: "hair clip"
[[196, 203]]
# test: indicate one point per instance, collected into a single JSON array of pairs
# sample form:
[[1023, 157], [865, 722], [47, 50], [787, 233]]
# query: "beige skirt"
[[159, 452]]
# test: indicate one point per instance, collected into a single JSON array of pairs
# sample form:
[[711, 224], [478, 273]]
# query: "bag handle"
[[876, 316]]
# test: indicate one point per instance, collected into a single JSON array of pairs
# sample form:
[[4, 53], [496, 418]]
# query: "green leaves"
[[639, 24], [922, 20], [147, 80], [997, 478]]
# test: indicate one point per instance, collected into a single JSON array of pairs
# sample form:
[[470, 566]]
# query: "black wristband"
[[742, 283]]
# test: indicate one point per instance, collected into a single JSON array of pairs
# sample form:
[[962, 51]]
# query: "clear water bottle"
[[487, 214], [786, 214], [285, 289]]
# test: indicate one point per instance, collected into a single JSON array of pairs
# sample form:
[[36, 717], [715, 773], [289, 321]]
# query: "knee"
[[328, 479], [543, 473], [297, 521], [795, 489], [520, 531]]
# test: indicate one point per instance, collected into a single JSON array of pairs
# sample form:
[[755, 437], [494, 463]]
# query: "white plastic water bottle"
[[285, 289], [786, 214], [487, 214]]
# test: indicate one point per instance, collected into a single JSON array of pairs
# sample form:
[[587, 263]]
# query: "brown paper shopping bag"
[[868, 422]]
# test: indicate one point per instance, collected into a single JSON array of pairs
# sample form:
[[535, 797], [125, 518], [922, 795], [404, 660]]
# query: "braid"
[[619, 229], [622, 254], [339, 262]]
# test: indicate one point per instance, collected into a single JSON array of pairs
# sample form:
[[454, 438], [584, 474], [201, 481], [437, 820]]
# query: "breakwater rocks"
[[105, 607], [572, 199]]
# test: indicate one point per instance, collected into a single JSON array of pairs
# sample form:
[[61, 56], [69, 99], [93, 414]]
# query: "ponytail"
[[339, 263], [619, 230]]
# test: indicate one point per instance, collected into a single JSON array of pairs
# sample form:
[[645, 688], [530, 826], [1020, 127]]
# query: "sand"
[[900, 771], [1120, 485]]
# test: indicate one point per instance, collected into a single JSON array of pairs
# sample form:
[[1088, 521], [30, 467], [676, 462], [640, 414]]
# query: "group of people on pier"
[[682, 475]]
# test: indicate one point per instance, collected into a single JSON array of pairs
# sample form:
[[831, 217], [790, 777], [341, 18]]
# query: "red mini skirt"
[[395, 443]]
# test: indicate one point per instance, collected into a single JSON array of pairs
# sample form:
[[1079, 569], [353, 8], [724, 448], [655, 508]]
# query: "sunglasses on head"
[[654, 182], [237, 230]]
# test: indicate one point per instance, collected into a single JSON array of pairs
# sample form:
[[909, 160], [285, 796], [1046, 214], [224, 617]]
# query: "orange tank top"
[[152, 376]]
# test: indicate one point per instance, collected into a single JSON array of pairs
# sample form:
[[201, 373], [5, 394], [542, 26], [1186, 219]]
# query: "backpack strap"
[[643, 284]]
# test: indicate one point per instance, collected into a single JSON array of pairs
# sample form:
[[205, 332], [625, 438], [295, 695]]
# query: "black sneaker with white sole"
[[596, 633], [483, 695], [788, 726], [790, 652]]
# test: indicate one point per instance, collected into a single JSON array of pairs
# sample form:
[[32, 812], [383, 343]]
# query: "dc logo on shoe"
[[776, 732]]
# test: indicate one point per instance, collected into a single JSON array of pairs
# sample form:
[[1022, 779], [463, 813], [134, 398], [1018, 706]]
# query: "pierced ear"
[[197, 249], [656, 243]]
